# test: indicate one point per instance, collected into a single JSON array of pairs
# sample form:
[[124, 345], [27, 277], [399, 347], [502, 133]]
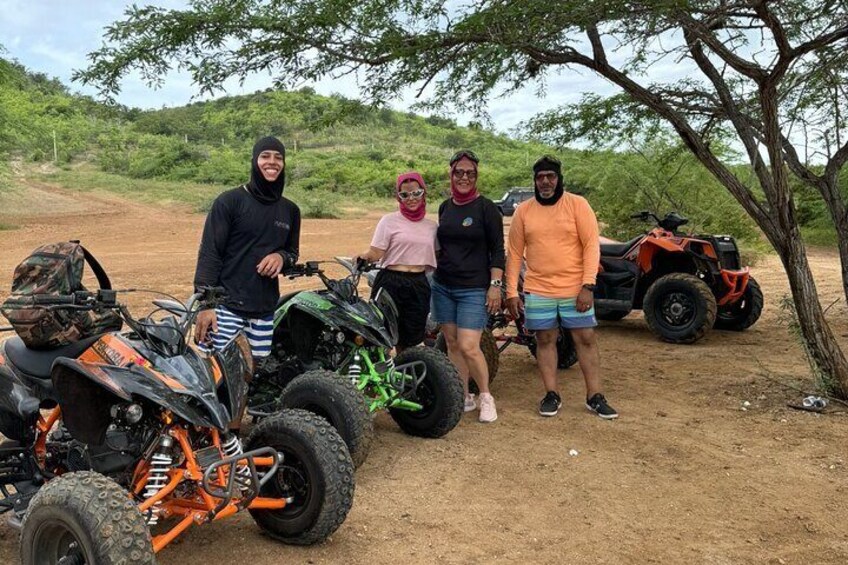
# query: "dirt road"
[[688, 474]]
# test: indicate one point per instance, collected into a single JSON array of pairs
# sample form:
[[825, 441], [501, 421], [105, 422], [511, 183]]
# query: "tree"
[[760, 70]]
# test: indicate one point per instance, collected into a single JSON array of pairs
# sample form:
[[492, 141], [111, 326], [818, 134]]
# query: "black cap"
[[548, 163]]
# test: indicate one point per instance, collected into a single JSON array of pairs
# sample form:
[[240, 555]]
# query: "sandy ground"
[[688, 474]]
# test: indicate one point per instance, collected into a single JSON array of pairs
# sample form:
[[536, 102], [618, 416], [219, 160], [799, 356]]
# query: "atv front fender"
[[651, 247], [86, 392]]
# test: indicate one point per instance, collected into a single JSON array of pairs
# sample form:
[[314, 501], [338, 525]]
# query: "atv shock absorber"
[[231, 446], [354, 370], [160, 463]]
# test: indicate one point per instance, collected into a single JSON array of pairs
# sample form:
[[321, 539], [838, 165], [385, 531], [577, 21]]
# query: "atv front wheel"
[[440, 394], [680, 308], [489, 347], [337, 400], [84, 518], [566, 352], [744, 312], [315, 475]]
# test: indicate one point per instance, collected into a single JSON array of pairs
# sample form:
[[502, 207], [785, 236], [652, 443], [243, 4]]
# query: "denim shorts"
[[543, 313], [465, 307]]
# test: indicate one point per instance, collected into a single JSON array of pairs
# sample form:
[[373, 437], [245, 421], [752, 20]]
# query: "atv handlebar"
[[308, 269], [670, 222]]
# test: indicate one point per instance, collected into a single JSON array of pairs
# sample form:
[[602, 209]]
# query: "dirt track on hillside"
[[688, 474]]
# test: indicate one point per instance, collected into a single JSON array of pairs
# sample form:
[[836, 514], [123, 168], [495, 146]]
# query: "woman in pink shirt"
[[404, 245]]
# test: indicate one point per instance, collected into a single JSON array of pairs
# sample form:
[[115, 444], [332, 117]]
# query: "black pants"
[[411, 293]]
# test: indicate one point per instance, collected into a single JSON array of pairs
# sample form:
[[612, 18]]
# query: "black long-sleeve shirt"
[[239, 232], [471, 243]]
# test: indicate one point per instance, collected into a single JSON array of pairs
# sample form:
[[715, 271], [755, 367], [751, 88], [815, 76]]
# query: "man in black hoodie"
[[251, 234]]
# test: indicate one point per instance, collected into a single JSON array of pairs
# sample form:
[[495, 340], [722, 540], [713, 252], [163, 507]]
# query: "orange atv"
[[120, 442], [685, 284]]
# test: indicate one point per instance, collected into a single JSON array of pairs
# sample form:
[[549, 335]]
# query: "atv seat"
[[619, 249], [38, 363], [286, 297]]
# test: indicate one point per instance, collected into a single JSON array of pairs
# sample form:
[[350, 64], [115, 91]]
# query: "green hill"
[[342, 154]]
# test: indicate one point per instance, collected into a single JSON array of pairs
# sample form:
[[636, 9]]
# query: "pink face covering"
[[458, 197], [419, 213]]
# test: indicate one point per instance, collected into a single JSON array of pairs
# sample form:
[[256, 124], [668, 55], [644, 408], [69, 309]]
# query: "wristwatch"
[[496, 282], [590, 287]]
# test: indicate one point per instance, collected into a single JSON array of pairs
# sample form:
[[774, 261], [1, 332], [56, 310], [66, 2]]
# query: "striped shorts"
[[543, 313], [259, 332]]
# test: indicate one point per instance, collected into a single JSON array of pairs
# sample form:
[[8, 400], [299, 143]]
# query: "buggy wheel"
[[316, 476], [680, 308], [84, 518], [440, 394], [489, 347], [337, 400], [745, 312]]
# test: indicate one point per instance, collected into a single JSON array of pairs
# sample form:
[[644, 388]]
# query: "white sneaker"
[[488, 413], [470, 403]]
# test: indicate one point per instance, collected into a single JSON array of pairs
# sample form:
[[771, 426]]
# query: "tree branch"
[[702, 32]]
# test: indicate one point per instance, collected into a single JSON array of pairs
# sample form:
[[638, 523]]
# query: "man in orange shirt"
[[557, 235]]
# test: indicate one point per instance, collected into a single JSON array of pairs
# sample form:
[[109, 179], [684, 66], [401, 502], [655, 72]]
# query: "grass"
[[313, 203]]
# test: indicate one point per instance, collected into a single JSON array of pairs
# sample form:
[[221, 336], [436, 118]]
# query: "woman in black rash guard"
[[251, 233], [467, 282]]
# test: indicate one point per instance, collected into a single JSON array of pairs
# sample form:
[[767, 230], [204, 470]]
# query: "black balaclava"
[[262, 189], [548, 163]]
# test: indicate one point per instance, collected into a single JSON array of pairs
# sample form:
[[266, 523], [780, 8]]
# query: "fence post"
[[55, 149]]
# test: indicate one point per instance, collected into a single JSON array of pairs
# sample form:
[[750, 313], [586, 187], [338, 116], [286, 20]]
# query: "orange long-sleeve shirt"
[[560, 244]]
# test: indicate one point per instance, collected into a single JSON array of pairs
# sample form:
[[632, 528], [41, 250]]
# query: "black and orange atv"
[[120, 442], [685, 284]]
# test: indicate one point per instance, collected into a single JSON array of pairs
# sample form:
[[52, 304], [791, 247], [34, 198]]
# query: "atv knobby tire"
[[440, 393], [680, 308], [745, 312], [489, 347], [566, 352], [91, 511], [336, 399], [316, 472]]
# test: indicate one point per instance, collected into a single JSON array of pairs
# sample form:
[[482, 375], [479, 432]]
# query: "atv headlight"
[[133, 414], [340, 338]]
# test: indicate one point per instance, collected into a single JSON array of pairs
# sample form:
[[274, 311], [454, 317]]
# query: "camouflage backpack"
[[56, 269]]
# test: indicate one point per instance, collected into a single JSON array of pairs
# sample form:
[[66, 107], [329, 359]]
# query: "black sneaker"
[[550, 404], [598, 405]]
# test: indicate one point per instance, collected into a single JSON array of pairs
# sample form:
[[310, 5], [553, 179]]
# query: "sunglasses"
[[459, 173], [547, 176], [414, 194], [468, 154]]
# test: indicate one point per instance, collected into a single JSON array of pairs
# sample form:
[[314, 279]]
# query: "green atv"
[[331, 336]]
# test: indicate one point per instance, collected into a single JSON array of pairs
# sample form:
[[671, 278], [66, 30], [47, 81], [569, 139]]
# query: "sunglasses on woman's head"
[[418, 193], [467, 154]]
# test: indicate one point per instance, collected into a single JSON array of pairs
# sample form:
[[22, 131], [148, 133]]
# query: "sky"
[[55, 36]]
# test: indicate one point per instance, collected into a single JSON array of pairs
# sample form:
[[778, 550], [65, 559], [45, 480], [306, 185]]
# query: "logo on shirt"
[[281, 224], [467, 222]]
